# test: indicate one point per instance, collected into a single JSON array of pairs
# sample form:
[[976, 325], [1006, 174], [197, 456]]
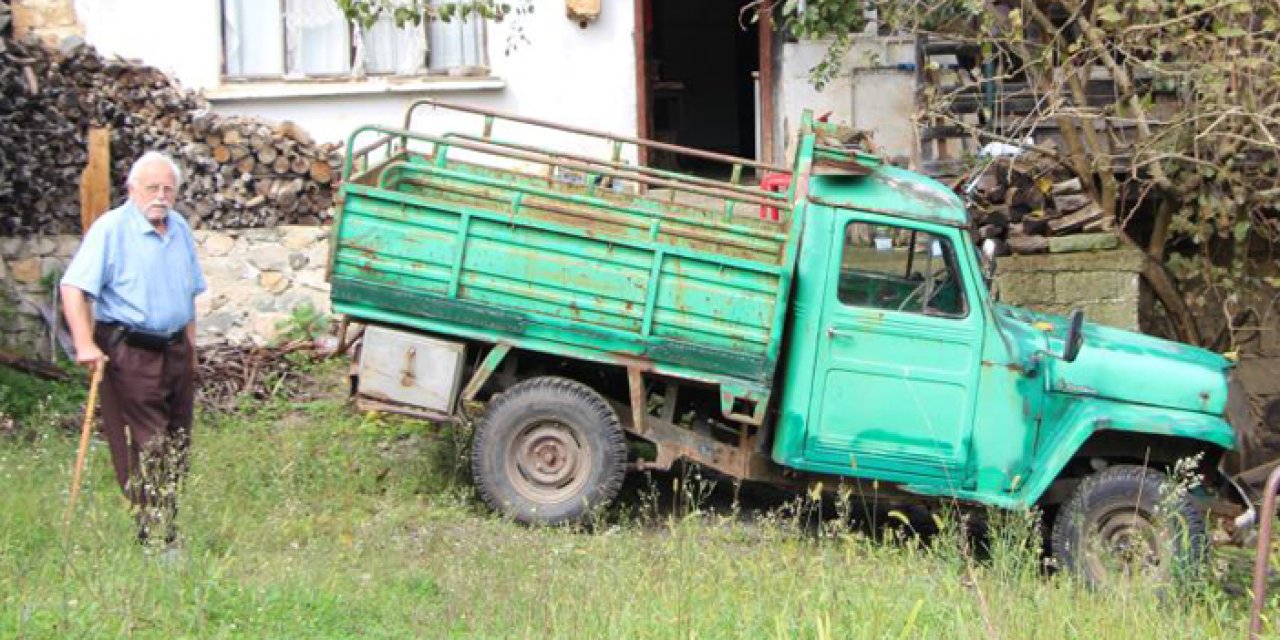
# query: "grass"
[[312, 521]]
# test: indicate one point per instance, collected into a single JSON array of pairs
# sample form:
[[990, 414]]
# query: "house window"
[[275, 39]]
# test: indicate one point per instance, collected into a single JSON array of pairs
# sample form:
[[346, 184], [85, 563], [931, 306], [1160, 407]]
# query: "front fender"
[[1087, 416]]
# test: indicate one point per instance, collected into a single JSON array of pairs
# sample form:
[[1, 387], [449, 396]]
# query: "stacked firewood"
[[1019, 203], [250, 173], [50, 98]]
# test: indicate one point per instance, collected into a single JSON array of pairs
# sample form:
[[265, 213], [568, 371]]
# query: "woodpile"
[[250, 173], [238, 172], [1020, 202]]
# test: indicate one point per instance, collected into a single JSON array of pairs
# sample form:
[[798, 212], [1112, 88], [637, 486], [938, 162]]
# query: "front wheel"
[[1128, 520], [548, 451]]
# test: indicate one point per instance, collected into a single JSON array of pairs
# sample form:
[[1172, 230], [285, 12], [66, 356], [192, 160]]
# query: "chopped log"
[[291, 130], [1066, 187], [221, 154], [1076, 221], [1033, 225], [266, 154], [320, 171], [1071, 202]]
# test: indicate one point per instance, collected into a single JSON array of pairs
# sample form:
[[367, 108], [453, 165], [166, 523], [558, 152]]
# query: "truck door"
[[898, 354]]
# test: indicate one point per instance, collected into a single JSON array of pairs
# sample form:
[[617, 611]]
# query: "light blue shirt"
[[134, 275]]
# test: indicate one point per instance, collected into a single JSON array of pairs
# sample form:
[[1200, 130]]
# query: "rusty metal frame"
[[733, 185], [366, 403], [490, 364], [582, 131], [1263, 559], [728, 191]]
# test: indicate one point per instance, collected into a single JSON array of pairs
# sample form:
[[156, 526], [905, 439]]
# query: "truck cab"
[[919, 377]]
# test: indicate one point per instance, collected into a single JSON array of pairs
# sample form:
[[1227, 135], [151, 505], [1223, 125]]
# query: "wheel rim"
[[1124, 542], [547, 461]]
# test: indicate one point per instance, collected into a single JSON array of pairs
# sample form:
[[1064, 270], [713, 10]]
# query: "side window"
[[899, 269]]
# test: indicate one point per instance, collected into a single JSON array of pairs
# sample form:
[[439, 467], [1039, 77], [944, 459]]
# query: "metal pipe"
[[1260, 564], [620, 166], [640, 142], [726, 192]]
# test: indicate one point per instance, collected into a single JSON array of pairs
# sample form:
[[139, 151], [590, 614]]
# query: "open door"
[[699, 65]]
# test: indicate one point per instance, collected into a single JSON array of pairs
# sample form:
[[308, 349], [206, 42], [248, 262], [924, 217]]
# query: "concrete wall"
[[566, 73], [875, 92], [256, 278], [1105, 283]]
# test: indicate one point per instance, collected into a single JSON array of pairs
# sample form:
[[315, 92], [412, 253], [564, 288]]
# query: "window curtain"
[[388, 49], [457, 43], [318, 42], [253, 38]]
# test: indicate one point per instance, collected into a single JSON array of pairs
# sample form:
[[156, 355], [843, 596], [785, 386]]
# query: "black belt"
[[143, 338]]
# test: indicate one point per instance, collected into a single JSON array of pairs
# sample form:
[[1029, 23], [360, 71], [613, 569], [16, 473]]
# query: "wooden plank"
[[95, 181]]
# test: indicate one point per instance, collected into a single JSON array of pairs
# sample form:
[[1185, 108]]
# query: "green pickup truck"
[[833, 326]]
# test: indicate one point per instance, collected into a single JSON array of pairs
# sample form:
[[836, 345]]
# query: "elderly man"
[[137, 264]]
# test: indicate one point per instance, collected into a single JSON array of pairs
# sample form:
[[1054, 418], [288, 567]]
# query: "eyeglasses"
[[153, 189]]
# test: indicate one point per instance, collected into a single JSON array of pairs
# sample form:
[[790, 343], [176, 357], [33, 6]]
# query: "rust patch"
[[1011, 366]]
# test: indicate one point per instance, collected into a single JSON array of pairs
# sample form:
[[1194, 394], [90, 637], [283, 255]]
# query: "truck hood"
[[1121, 365]]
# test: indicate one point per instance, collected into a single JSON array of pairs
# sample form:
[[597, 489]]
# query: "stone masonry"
[[51, 20], [1105, 283], [256, 278]]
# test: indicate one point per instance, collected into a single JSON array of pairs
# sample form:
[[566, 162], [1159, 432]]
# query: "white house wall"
[[565, 73], [875, 92]]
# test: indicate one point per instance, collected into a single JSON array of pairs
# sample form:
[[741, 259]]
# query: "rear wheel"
[[548, 451], [1125, 521]]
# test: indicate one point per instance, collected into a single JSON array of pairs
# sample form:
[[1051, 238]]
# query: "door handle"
[[832, 332]]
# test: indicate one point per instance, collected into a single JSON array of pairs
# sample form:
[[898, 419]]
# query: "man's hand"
[[89, 355]]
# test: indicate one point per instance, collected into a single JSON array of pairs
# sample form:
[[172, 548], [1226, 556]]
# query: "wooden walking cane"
[[85, 431], [95, 199]]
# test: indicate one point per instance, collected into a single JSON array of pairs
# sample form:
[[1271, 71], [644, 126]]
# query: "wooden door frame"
[[765, 64]]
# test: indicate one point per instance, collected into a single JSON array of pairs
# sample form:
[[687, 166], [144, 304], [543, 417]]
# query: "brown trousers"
[[148, 401]]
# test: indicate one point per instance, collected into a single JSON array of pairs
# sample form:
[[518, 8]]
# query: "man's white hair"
[[151, 157]]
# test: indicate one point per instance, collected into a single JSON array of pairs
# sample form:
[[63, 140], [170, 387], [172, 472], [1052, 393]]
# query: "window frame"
[[949, 258], [440, 75]]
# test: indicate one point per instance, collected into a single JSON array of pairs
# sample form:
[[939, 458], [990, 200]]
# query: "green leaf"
[[1230, 31], [1241, 230], [1107, 13]]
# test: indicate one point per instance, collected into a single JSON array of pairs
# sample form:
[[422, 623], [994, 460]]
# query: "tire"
[[1125, 518], [548, 451]]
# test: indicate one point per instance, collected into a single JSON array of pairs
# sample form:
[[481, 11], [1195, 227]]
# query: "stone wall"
[[1105, 283], [256, 278]]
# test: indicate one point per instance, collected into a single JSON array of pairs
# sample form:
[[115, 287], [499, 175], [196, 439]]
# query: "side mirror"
[[989, 252], [1075, 335]]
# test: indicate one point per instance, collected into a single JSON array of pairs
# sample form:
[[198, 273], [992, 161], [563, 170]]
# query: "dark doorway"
[[700, 66]]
